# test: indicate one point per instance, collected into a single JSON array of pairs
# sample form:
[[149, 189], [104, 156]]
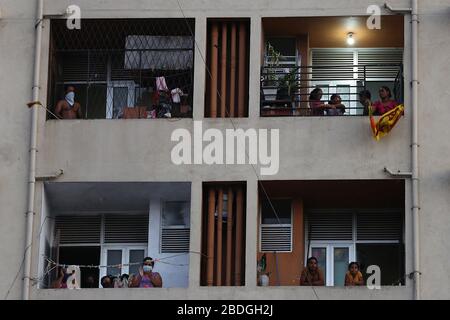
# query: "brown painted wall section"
[[290, 265]]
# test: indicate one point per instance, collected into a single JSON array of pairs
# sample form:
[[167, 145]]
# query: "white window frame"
[[179, 227], [131, 85], [125, 248], [330, 246], [276, 225]]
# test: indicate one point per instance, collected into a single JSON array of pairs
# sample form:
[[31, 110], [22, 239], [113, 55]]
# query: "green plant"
[[272, 62], [289, 82]]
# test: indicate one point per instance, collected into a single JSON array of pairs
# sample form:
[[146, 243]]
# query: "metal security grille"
[[136, 68], [379, 226], [78, 229], [175, 240], [330, 226], [126, 228]]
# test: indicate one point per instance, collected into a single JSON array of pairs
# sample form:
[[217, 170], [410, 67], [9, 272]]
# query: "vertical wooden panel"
[[219, 238], [242, 67], [223, 81], [214, 69], [239, 236], [229, 235], [210, 242], [233, 71]]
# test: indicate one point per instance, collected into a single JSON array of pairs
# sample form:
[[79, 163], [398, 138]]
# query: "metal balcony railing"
[[285, 91]]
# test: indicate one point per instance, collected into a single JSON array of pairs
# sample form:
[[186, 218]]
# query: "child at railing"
[[365, 99], [335, 106]]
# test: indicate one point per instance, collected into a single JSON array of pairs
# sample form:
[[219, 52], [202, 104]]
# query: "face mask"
[[70, 98], [147, 268]]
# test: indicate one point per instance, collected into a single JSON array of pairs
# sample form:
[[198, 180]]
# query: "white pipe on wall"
[[415, 148], [33, 145], [414, 10]]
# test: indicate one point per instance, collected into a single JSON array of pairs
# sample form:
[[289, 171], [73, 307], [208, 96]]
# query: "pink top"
[[315, 106], [380, 108], [146, 281]]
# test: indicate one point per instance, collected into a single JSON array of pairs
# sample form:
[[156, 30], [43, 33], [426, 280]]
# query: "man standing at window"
[[68, 108], [312, 275]]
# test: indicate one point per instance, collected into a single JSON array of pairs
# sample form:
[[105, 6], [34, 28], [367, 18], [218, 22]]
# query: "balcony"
[[122, 69], [288, 90], [104, 230], [302, 55], [336, 222]]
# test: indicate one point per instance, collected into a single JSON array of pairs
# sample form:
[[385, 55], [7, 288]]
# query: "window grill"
[[140, 68]]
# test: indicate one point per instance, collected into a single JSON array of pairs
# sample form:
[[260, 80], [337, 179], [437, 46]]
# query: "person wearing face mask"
[[146, 277], [68, 108]]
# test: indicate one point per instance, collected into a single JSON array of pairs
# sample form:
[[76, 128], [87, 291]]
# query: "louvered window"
[[78, 229], [276, 238], [126, 228], [276, 226], [379, 226], [175, 229], [371, 64], [329, 64], [330, 226], [369, 225], [87, 229], [386, 59]]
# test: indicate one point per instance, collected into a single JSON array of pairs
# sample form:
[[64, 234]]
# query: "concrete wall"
[[337, 148], [16, 65], [175, 274]]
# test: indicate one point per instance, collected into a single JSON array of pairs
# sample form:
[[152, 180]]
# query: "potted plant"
[[269, 77], [288, 84]]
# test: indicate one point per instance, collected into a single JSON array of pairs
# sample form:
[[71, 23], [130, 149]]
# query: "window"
[[175, 227], [370, 237], [276, 226], [120, 259], [113, 240]]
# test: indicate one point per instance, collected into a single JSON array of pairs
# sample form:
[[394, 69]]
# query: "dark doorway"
[[82, 256]]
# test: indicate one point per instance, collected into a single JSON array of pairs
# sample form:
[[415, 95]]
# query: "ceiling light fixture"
[[350, 39]]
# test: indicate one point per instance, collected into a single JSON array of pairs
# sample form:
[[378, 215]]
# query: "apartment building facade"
[[106, 191]]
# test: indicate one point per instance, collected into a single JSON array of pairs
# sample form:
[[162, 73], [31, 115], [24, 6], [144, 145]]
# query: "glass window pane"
[[341, 260], [120, 100], [136, 256], [176, 213], [114, 257], [321, 255], [282, 209]]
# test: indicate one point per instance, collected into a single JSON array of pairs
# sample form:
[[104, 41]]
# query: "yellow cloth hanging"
[[386, 123]]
